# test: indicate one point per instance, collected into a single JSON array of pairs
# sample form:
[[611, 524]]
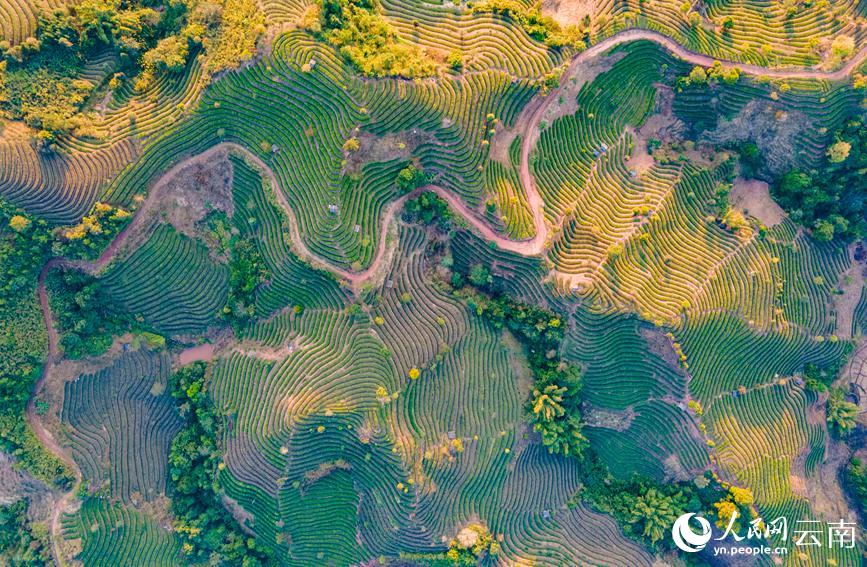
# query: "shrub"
[[429, 208], [241, 26], [839, 151], [455, 60], [842, 46], [698, 76], [410, 178], [351, 145], [93, 233]]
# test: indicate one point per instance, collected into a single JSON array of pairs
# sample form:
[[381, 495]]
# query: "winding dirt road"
[[528, 123]]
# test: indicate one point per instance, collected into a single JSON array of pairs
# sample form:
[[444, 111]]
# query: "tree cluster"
[[473, 544], [646, 509], [819, 378], [247, 270], [429, 209], [22, 542], [42, 84], [233, 39], [855, 483], [554, 406], [209, 533], [410, 178], [86, 316], [367, 39], [25, 245], [40, 79], [841, 414], [713, 75], [90, 236], [831, 199]]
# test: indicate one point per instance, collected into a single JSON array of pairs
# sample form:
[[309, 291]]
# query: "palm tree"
[[841, 414], [562, 436], [657, 512], [547, 404], [552, 435]]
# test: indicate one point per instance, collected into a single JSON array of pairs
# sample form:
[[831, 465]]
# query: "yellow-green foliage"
[[472, 543], [44, 100], [839, 151], [19, 223], [714, 74], [241, 26], [4, 96], [153, 341], [742, 496], [365, 38], [170, 54], [842, 47], [539, 27], [92, 223]]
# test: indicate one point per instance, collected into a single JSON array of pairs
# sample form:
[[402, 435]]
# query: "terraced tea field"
[[356, 282]]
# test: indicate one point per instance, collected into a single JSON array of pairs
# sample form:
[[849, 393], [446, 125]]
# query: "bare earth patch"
[[639, 160], [660, 345], [855, 374], [661, 125], [16, 484], [374, 149], [182, 197], [753, 197], [501, 141], [271, 354], [774, 130], [569, 11], [204, 352], [197, 190], [822, 487], [852, 281], [674, 469], [242, 516], [616, 420]]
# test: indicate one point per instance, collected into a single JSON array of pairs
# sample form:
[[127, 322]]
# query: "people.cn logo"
[[685, 538]]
